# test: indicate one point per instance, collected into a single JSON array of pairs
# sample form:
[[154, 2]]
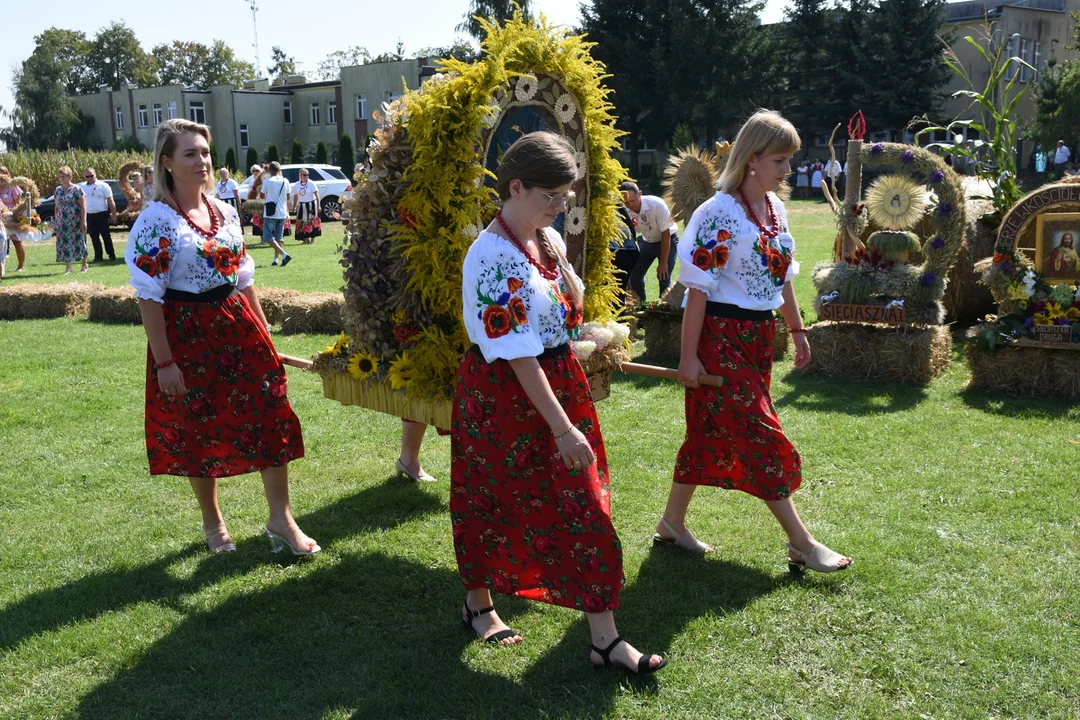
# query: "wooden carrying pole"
[[295, 362], [668, 373]]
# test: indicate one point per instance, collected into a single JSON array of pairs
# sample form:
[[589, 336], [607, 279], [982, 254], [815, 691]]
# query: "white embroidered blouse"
[[722, 254], [163, 252], [511, 311]]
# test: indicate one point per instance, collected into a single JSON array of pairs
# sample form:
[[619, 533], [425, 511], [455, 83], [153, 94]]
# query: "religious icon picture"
[[1057, 246]]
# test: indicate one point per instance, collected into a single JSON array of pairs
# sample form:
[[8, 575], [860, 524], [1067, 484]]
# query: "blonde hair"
[[64, 168], [544, 160], [167, 138], [765, 133]]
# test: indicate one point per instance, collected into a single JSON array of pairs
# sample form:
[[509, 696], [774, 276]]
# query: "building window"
[[1012, 49], [197, 112], [119, 118], [143, 117], [1027, 47], [244, 141], [1038, 60], [172, 109], [361, 107], [331, 113], [288, 113], [157, 114], [392, 96], [315, 113]]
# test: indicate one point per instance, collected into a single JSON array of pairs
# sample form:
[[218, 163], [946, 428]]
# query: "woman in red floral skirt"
[[530, 493], [737, 260], [216, 400]]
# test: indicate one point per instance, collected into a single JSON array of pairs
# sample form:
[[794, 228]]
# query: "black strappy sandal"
[[494, 638], [643, 665]]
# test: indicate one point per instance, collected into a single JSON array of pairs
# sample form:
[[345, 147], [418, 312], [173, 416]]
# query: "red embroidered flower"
[[198, 406], [571, 508], [147, 264], [573, 316], [163, 243], [541, 544], [592, 603], [227, 360], [501, 584], [215, 472], [593, 563], [278, 390], [164, 260], [497, 321], [248, 438], [702, 259], [517, 309], [481, 502], [513, 284], [720, 256], [209, 247], [522, 459], [722, 235], [777, 264], [170, 436], [225, 262], [473, 409]]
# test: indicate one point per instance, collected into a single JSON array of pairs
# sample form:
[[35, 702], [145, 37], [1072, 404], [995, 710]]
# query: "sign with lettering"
[[848, 312], [1058, 334], [1012, 223]]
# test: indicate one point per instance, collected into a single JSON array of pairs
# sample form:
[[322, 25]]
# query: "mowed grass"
[[959, 507]]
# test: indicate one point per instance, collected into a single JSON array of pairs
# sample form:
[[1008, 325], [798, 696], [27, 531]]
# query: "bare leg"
[[675, 516], [212, 522], [278, 250], [799, 537], [602, 627], [487, 624], [412, 436], [281, 522], [20, 253]]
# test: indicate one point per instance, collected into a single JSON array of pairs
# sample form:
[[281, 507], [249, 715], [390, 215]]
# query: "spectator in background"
[[10, 197], [226, 190], [69, 221], [817, 171], [659, 234], [1061, 156], [802, 179], [275, 193], [833, 172], [100, 213], [625, 246]]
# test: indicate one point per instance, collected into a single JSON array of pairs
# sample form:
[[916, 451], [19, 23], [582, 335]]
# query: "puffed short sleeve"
[[498, 293], [149, 254], [695, 250]]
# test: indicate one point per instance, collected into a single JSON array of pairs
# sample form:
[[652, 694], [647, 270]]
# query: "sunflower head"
[[896, 202], [363, 365], [401, 372]]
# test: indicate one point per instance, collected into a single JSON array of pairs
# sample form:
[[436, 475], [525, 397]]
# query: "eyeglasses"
[[558, 199], [88, 177]]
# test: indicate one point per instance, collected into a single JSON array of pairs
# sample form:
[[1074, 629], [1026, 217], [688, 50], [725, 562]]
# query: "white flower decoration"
[[582, 160], [492, 118], [1077, 297], [526, 89], [583, 349], [1029, 282], [471, 230], [575, 221], [619, 332], [565, 107]]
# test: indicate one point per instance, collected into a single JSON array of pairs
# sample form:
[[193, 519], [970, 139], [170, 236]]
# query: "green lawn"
[[959, 507]]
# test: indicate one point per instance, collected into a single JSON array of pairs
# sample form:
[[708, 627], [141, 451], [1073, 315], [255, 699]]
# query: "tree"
[[809, 100], [297, 152], [396, 56], [330, 67], [851, 45], [252, 157], [44, 116], [272, 153], [230, 160], [461, 50], [345, 155], [192, 63], [213, 155], [72, 49], [683, 138], [283, 64], [493, 11], [320, 153], [224, 68], [906, 63], [116, 58]]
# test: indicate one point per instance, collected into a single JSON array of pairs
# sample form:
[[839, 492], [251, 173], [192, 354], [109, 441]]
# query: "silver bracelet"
[[564, 433]]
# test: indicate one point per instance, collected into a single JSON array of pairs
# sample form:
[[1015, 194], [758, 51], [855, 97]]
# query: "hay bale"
[[115, 305], [312, 312], [27, 301], [1025, 370], [902, 353], [274, 302]]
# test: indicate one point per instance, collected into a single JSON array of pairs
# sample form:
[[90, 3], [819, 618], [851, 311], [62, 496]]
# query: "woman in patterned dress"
[[530, 493], [69, 222], [216, 390], [737, 260]]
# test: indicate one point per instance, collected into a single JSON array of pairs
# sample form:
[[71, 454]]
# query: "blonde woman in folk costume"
[[530, 493], [216, 390], [737, 258]]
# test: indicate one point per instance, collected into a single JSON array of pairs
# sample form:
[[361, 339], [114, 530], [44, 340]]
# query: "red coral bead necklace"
[[215, 225], [548, 272], [756, 220]]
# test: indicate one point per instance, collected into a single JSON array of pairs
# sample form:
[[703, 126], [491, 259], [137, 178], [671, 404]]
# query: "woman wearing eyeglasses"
[[305, 201], [530, 494], [69, 221]]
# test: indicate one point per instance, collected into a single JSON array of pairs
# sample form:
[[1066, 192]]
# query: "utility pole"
[[255, 35]]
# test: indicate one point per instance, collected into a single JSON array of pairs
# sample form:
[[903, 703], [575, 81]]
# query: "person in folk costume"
[[305, 202], [216, 390], [737, 258], [530, 493], [226, 190]]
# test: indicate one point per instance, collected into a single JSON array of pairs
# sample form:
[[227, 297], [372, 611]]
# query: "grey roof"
[[978, 9]]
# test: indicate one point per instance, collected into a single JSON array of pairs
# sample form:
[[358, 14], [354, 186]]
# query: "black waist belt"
[[734, 312], [548, 353], [221, 292]]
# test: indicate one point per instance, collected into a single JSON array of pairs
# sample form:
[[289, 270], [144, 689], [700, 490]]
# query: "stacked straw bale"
[[901, 353]]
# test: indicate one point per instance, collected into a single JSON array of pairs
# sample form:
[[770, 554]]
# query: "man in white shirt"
[[275, 193], [100, 213], [833, 172], [1061, 156], [659, 235]]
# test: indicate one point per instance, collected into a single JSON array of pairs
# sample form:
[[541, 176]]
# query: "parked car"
[[329, 179], [47, 207]]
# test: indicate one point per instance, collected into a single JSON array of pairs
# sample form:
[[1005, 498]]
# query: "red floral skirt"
[[733, 436], [523, 524], [308, 224], [236, 417]]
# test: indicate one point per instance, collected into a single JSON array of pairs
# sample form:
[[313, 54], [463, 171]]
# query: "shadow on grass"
[[1017, 406], [822, 393], [87, 598]]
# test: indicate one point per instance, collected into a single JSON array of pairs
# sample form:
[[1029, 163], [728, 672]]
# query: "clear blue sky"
[[306, 29]]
